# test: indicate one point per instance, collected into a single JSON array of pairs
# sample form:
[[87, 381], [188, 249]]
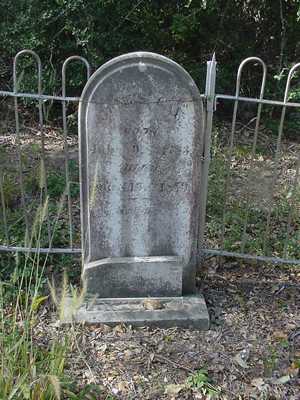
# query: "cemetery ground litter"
[[252, 350]]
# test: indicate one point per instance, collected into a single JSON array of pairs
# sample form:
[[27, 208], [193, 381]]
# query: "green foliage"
[[245, 201], [201, 382], [10, 190], [186, 30], [34, 192], [90, 391], [57, 184], [28, 371], [31, 368], [270, 361]]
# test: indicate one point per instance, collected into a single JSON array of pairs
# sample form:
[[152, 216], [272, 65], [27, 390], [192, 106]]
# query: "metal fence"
[[43, 177], [255, 181], [250, 181]]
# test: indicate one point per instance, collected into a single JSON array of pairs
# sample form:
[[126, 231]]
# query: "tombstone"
[[141, 140]]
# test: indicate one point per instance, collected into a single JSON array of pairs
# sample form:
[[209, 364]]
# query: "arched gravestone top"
[[141, 141]]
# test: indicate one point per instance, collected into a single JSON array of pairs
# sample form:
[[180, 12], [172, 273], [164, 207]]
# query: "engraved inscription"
[[169, 187], [142, 132], [164, 187], [128, 167], [140, 139]]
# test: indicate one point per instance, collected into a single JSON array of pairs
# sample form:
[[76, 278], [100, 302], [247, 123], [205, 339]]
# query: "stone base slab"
[[164, 312]]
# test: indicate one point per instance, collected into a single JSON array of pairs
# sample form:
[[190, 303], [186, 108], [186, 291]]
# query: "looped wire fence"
[[40, 98], [293, 206], [238, 223]]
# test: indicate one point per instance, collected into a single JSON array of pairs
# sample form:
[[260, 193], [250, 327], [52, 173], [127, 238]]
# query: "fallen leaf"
[[282, 380], [293, 371], [106, 328], [152, 304], [279, 335], [102, 349], [122, 386], [173, 390], [258, 383], [119, 329], [128, 354]]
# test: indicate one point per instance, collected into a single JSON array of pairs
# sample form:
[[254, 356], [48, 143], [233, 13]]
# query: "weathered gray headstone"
[[141, 141]]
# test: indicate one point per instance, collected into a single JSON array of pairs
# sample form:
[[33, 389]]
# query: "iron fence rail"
[[276, 160], [217, 97], [256, 101], [211, 100], [234, 254], [40, 98], [42, 250], [34, 96]]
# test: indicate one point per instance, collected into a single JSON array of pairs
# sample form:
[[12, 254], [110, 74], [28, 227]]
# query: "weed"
[[270, 361], [29, 370], [201, 382], [297, 363], [67, 300], [56, 181], [285, 343], [10, 190], [168, 338], [56, 184]]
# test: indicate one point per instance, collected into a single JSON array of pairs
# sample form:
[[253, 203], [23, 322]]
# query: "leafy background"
[[188, 31]]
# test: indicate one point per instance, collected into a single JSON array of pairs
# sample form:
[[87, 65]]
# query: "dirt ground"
[[252, 350]]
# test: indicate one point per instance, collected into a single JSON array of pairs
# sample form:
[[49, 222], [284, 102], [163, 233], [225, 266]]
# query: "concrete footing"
[[186, 312]]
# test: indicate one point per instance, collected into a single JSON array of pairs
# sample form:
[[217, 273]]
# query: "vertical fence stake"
[[209, 112], [2, 198], [65, 134], [19, 148]]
